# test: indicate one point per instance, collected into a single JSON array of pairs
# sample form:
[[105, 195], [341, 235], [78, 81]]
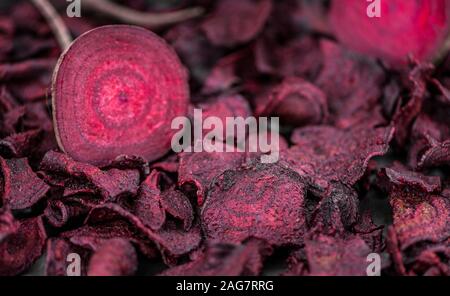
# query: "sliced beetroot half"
[[115, 92], [256, 200], [415, 27]]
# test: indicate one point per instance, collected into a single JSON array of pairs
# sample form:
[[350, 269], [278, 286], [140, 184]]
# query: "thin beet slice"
[[259, 200], [60, 212], [62, 169], [324, 153], [21, 187], [236, 22], [116, 257], [20, 145], [404, 28], [178, 205], [420, 213], [221, 259], [115, 92], [8, 225], [199, 169], [58, 257], [170, 239], [20, 249], [147, 205], [296, 101], [332, 256]]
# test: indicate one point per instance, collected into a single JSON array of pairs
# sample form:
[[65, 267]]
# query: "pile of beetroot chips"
[[89, 183]]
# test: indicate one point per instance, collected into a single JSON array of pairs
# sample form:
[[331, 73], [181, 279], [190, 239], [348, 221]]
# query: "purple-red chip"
[[256, 200]]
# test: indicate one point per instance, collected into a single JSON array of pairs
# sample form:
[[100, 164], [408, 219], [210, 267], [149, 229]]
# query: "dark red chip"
[[236, 22], [116, 257], [178, 205], [109, 184], [220, 259], [200, 168], [326, 154], [20, 249], [21, 187], [330, 256], [296, 101], [8, 225], [20, 145], [65, 259], [259, 200]]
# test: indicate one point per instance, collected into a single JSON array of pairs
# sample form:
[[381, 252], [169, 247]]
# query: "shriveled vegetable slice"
[[115, 91], [20, 249], [256, 200]]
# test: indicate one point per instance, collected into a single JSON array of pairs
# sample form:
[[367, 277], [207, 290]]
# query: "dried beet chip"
[[116, 257], [8, 225], [170, 239], [296, 101], [328, 154], [21, 187], [221, 259], [60, 255], [92, 237], [337, 209], [125, 162], [199, 169], [147, 205], [20, 249], [236, 22], [332, 256], [419, 213], [178, 205], [437, 155], [404, 28], [352, 83], [256, 200], [110, 184], [223, 107], [20, 145], [129, 84], [60, 211]]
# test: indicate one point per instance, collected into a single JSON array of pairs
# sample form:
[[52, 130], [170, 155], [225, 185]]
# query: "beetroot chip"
[[236, 22], [60, 252], [178, 205], [259, 200], [437, 155], [351, 82], [109, 184], [61, 211], [199, 169], [296, 101], [8, 225], [21, 187], [221, 259], [329, 154], [93, 237], [116, 257], [21, 248], [170, 239], [330, 256], [147, 205], [20, 145], [420, 213]]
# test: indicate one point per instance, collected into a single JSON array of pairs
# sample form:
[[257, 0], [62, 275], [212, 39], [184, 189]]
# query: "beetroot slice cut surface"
[[413, 27], [115, 92], [256, 200]]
